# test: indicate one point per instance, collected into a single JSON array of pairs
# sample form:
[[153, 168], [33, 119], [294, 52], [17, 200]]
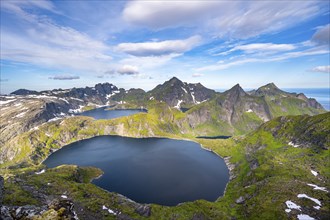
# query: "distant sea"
[[322, 95]]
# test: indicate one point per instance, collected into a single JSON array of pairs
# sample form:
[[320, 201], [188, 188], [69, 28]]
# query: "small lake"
[[149, 170], [214, 137], [103, 113]]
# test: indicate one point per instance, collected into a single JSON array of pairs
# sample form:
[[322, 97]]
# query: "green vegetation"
[[267, 170]]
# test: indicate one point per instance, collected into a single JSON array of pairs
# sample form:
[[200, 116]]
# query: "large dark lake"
[[149, 170], [103, 113]]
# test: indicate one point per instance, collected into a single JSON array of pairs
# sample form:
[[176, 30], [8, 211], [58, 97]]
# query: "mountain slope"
[[180, 94], [237, 112], [266, 172]]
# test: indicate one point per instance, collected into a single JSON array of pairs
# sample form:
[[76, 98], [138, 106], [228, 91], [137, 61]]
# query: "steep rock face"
[[235, 111], [99, 94], [281, 98], [269, 90], [22, 113], [133, 96], [1, 189], [302, 131], [177, 93], [232, 111], [237, 102]]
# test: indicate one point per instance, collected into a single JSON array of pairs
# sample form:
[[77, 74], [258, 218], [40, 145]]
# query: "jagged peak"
[[235, 93], [270, 86], [236, 89], [174, 80], [270, 89]]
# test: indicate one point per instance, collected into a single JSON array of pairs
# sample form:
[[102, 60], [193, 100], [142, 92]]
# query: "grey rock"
[[143, 210], [240, 200], [5, 213], [1, 189], [254, 164], [199, 216]]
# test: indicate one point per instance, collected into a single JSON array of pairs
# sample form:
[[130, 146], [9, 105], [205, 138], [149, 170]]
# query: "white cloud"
[[17, 5], [64, 77], [162, 14], [197, 75], [149, 62], [260, 59], [322, 36], [321, 69], [253, 18], [260, 47], [159, 48], [231, 19], [128, 70], [41, 42]]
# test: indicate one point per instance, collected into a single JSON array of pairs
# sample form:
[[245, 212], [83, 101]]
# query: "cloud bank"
[[128, 70], [64, 77], [159, 48], [321, 69]]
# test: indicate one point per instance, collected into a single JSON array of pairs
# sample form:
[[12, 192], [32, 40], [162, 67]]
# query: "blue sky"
[[64, 44]]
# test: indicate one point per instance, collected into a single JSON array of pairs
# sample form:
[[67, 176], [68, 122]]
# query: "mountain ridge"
[[206, 111]]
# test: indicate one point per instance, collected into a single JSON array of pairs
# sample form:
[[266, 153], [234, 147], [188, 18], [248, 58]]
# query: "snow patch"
[[250, 110], [318, 187], [64, 100], [304, 217], [292, 205], [75, 216], [193, 97], [184, 90], [314, 172], [151, 98], [179, 104], [6, 102], [42, 96], [20, 115], [317, 207], [287, 210], [307, 197], [41, 171], [293, 145], [54, 119], [108, 96], [77, 110], [77, 99], [35, 128], [64, 196], [109, 210]]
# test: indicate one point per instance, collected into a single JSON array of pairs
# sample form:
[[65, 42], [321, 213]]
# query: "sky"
[[139, 44]]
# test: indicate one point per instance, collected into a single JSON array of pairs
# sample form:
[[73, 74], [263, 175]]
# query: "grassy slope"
[[283, 171]]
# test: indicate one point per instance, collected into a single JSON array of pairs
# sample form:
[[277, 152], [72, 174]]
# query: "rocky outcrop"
[[1, 189], [180, 94]]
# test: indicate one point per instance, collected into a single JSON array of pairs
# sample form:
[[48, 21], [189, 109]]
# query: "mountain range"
[[278, 151], [205, 111]]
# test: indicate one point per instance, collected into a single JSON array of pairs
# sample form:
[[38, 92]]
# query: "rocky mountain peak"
[[236, 91], [177, 93], [174, 82], [269, 89], [24, 92]]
